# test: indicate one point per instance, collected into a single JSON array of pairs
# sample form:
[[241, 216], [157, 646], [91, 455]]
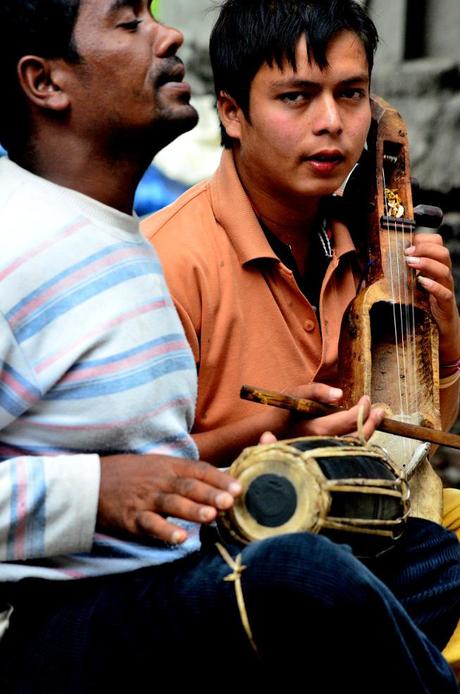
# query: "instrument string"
[[415, 391], [408, 328], [403, 306], [393, 291]]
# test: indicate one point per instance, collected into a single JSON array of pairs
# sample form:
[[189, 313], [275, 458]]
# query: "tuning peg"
[[428, 216]]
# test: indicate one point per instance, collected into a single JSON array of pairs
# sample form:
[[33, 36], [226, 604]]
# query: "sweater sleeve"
[[48, 504]]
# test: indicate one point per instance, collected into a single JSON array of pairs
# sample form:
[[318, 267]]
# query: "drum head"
[[280, 494]]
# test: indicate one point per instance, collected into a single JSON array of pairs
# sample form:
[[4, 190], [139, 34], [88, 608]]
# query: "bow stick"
[[310, 409]]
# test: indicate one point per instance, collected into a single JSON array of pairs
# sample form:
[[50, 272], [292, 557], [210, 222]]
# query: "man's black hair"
[[30, 27], [250, 33]]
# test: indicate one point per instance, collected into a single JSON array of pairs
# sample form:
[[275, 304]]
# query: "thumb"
[[267, 437]]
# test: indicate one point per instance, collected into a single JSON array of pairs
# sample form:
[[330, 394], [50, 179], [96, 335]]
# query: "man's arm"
[[222, 445], [51, 506], [47, 505]]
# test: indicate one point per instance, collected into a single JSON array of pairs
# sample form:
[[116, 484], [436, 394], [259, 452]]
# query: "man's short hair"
[[30, 27], [250, 33]]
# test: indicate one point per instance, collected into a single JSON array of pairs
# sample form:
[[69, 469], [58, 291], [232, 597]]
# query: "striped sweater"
[[94, 361]]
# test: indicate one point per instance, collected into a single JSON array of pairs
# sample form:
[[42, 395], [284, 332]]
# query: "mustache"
[[172, 70]]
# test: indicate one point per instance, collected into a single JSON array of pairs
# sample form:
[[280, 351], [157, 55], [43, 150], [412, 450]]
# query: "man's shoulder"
[[187, 213], [27, 211], [188, 238], [14, 189], [23, 192]]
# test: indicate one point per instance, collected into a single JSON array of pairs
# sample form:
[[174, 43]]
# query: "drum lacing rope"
[[235, 577]]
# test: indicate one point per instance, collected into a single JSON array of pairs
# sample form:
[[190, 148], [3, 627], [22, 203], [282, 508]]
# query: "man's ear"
[[42, 82], [230, 115]]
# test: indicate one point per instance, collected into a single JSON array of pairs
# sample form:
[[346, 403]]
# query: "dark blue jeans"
[[316, 612]]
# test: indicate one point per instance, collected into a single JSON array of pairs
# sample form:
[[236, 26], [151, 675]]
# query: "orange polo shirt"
[[236, 298]]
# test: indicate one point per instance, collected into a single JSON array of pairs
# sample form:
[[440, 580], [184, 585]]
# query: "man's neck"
[[112, 181], [291, 220]]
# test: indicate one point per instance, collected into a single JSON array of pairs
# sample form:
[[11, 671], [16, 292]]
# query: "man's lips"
[[326, 161], [176, 76], [327, 155], [172, 81]]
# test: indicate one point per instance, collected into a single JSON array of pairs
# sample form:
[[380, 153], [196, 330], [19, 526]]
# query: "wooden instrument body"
[[368, 358], [389, 340]]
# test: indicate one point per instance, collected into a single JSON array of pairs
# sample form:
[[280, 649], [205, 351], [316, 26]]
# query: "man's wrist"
[[449, 368], [450, 374]]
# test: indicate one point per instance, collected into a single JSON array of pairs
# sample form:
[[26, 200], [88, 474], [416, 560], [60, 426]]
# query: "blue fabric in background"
[[154, 191]]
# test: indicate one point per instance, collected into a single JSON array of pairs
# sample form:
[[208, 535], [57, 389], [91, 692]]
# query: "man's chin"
[[191, 119], [177, 122]]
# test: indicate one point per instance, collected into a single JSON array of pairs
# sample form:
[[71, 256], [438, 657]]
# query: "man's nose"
[[168, 40], [327, 117]]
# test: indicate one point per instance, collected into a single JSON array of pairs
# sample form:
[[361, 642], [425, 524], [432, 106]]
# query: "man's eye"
[[353, 93], [130, 26], [293, 97]]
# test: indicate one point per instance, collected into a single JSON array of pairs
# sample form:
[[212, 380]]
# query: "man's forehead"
[[344, 42], [345, 52], [116, 5], [108, 7]]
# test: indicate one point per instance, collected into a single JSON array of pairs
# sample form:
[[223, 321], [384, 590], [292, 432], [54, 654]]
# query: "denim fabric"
[[423, 571], [316, 612]]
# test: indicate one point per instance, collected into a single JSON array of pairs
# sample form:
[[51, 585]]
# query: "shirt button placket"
[[309, 326]]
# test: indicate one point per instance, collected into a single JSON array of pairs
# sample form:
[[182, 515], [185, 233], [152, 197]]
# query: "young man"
[[260, 267], [100, 587]]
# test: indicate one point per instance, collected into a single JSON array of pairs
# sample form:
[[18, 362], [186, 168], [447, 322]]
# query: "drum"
[[335, 486]]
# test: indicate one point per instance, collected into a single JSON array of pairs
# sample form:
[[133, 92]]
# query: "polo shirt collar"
[[233, 210]]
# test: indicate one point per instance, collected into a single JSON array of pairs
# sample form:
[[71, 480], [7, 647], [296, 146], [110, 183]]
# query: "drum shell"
[[335, 486]]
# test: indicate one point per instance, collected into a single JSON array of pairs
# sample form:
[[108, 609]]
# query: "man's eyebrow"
[[298, 83], [120, 4], [362, 77]]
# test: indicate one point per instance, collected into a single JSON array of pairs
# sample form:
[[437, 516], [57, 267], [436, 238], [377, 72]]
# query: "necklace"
[[325, 240]]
